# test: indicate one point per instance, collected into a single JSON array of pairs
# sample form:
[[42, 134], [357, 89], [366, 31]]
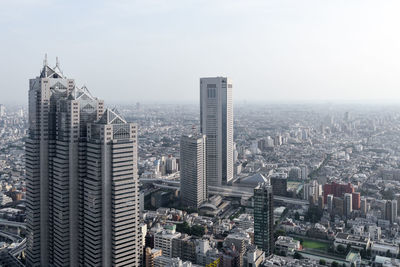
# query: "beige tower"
[[216, 119]]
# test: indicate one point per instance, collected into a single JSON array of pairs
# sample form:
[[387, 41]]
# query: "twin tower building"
[[207, 159], [82, 195]]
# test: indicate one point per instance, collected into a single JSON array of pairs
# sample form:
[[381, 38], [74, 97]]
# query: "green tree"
[[322, 262], [297, 216], [387, 194], [341, 249], [197, 230], [369, 252], [313, 214], [363, 253], [183, 228], [334, 264], [297, 256]]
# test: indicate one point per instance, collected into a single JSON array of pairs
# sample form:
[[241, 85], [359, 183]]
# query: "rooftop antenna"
[[45, 60]]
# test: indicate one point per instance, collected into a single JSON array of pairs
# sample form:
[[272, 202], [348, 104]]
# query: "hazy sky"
[[156, 50]]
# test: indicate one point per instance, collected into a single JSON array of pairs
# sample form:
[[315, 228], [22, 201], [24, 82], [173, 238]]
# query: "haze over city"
[[154, 51], [199, 133]]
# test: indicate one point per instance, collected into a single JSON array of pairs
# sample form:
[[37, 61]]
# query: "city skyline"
[[221, 133], [334, 176]]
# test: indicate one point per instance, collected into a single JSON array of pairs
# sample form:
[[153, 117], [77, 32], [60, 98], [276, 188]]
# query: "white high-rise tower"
[[216, 119], [348, 204]]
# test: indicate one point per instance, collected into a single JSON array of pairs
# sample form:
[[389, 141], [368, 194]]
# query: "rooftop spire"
[[57, 62], [45, 60]]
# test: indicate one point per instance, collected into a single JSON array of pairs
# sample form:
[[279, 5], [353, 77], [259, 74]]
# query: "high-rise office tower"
[[264, 218], [110, 207], [216, 119], [171, 165], [279, 184], [307, 191], [364, 206], [330, 203], [193, 170], [348, 204], [58, 165], [2, 110], [49, 235], [321, 204], [394, 211], [391, 210], [356, 198]]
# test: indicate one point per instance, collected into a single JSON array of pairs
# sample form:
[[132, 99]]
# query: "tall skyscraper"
[[193, 170], [356, 198], [110, 194], [2, 110], [59, 170], [264, 218], [307, 189], [391, 210], [348, 204], [330, 203], [364, 206], [216, 119], [44, 247]]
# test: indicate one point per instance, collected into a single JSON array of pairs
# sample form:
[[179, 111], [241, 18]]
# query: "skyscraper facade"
[[216, 120], [193, 170], [59, 166], [49, 235], [330, 203], [391, 210], [364, 206], [110, 194], [356, 198], [264, 218], [348, 204]]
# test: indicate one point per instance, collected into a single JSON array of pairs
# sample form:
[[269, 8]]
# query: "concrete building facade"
[[193, 170], [216, 121], [264, 218], [73, 175]]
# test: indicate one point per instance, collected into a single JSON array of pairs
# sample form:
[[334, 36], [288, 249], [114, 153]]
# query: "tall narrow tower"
[[348, 204], [45, 91], [264, 218], [193, 170], [216, 119]]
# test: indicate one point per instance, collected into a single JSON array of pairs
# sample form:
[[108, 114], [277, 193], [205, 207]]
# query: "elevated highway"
[[17, 250], [13, 224], [226, 191]]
